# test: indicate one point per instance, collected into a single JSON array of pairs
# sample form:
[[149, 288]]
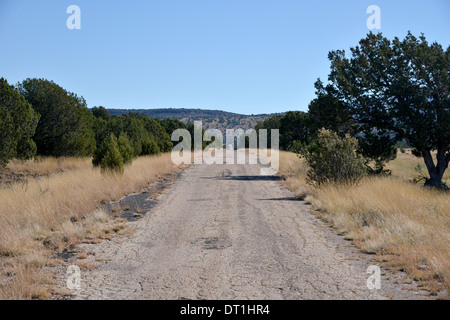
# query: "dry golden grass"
[[408, 167], [295, 170], [48, 165], [405, 224], [55, 212]]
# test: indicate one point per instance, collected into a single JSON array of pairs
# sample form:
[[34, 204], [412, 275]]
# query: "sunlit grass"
[[389, 216], [57, 211]]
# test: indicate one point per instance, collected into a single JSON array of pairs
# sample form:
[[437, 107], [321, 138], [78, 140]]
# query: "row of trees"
[[122, 138], [38, 116], [383, 93]]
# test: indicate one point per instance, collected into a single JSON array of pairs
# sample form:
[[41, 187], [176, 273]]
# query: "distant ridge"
[[212, 119]]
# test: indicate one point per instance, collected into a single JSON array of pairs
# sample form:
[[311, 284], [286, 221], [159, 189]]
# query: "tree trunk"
[[436, 172]]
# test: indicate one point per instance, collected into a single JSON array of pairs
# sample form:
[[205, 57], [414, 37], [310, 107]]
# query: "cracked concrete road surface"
[[225, 232]]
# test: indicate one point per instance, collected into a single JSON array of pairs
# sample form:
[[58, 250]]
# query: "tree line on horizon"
[[40, 118], [383, 94]]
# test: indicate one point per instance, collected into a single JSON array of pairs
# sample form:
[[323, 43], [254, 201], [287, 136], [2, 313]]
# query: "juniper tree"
[[399, 90]]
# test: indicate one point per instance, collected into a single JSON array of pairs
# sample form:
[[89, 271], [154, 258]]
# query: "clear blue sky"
[[245, 56]]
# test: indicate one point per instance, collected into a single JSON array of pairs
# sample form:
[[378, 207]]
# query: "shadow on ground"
[[282, 199], [247, 178]]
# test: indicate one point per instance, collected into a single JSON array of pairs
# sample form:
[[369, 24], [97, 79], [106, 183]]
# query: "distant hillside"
[[214, 119]]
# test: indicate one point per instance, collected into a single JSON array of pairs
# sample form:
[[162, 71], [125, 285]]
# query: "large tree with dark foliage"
[[65, 126], [294, 126], [399, 90], [18, 123], [329, 112], [269, 124]]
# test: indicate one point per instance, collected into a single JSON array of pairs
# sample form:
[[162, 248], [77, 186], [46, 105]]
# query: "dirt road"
[[225, 232]]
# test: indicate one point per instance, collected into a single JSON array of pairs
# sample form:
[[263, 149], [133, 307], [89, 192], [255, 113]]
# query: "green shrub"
[[334, 160], [108, 156], [149, 146], [125, 148], [297, 146], [26, 148]]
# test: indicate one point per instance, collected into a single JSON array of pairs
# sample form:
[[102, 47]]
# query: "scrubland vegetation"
[[405, 224], [382, 95], [47, 215], [42, 166], [40, 118], [51, 190]]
